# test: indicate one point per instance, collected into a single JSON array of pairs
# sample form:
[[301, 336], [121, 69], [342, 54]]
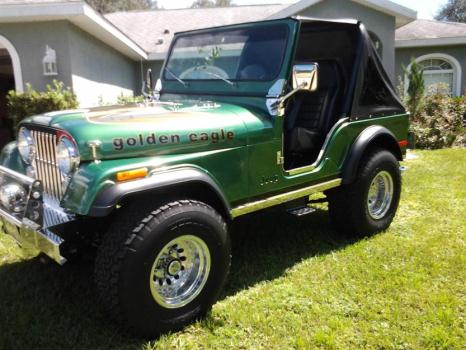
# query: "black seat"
[[312, 113]]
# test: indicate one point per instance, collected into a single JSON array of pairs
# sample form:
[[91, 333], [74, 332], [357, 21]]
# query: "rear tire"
[[369, 204], [159, 273]]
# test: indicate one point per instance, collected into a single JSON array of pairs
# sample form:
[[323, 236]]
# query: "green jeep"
[[243, 118]]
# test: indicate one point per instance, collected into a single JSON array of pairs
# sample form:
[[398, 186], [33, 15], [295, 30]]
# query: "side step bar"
[[301, 211], [283, 198]]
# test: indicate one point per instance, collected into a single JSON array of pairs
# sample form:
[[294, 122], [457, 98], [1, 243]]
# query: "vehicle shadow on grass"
[[267, 243], [47, 306]]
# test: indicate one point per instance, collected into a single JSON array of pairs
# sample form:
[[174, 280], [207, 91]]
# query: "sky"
[[425, 8]]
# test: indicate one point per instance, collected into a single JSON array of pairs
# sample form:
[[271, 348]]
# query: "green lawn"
[[294, 283]]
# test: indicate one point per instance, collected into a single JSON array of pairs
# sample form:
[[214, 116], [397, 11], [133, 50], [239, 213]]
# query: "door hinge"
[[280, 158]]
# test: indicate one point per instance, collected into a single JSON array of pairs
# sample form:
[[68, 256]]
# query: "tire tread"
[[118, 242], [344, 216]]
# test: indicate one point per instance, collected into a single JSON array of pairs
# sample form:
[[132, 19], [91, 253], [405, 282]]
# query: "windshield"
[[229, 55]]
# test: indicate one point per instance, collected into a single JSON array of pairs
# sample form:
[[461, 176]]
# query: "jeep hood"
[[164, 128]]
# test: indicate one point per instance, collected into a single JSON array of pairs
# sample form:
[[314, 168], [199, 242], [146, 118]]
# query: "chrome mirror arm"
[[304, 78], [146, 95], [282, 99], [278, 104]]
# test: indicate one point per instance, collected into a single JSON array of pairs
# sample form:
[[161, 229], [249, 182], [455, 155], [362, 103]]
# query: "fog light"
[[13, 197]]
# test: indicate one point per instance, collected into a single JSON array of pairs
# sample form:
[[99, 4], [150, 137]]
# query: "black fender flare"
[[372, 135], [107, 199]]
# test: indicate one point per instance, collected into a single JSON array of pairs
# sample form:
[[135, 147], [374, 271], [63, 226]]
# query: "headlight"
[[26, 146], [67, 156], [13, 197]]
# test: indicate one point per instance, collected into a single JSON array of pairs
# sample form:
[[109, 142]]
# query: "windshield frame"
[[216, 30]]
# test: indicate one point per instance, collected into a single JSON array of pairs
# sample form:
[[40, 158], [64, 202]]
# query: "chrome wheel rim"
[[380, 195], [180, 271]]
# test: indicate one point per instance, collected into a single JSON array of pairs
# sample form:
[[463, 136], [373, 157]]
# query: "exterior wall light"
[[49, 62]]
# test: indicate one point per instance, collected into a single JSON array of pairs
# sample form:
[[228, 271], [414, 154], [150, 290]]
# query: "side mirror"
[[149, 80], [305, 76], [158, 89], [147, 88]]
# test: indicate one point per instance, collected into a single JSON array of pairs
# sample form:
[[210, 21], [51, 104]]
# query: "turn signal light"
[[132, 174]]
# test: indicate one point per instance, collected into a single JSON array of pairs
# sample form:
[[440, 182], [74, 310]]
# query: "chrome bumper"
[[29, 227], [44, 241]]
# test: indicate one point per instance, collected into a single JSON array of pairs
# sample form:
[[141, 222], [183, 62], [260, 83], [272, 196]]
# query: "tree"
[[106, 6], [416, 89], [211, 3], [453, 11], [223, 3]]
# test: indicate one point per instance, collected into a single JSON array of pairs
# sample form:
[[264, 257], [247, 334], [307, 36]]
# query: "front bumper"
[[32, 226]]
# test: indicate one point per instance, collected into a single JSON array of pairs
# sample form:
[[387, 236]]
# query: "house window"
[[437, 71], [377, 43], [443, 69]]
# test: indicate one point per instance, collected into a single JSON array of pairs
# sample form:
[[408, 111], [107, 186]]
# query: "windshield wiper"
[[219, 77], [174, 76]]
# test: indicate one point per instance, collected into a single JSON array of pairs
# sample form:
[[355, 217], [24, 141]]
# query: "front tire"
[[159, 273], [369, 204]]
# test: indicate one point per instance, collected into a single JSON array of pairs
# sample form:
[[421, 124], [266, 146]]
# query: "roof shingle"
[[428, 29], [153, 30]]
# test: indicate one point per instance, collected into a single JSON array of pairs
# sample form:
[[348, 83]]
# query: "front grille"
[[45, 163]]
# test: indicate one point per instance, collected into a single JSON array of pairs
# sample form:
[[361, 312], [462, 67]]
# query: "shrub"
[[124, 100], [441, 122], [416, 89], [31, 102]]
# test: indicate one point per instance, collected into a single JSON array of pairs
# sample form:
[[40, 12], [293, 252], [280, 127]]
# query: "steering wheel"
[[203, 72]]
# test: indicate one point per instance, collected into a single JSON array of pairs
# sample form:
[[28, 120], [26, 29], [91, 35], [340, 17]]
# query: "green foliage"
[[416, 89], [400, 89], [125, 100], [211, 3], [441, 123], [437, 119], [294, 282], [31, 102], [107, 6], [453, 11]]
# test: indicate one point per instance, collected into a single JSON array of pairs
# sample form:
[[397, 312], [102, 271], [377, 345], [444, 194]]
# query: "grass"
[[294, 283]]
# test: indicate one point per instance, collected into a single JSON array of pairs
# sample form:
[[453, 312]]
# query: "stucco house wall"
[[95, 71], [99, 73], [30, 40], [381, 24], [457, 52]]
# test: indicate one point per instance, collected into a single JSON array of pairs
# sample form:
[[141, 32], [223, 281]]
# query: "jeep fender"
[[372, 136], [10, 158], [107, 199]]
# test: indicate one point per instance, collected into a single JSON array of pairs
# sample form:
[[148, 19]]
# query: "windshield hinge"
[[280, 158]]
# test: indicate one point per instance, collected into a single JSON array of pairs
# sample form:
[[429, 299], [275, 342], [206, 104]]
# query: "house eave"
[[78, 13], [403, 15], [431, 42], [156, 56]]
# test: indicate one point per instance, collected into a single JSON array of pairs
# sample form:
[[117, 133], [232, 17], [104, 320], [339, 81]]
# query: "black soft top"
[[369, 92]]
